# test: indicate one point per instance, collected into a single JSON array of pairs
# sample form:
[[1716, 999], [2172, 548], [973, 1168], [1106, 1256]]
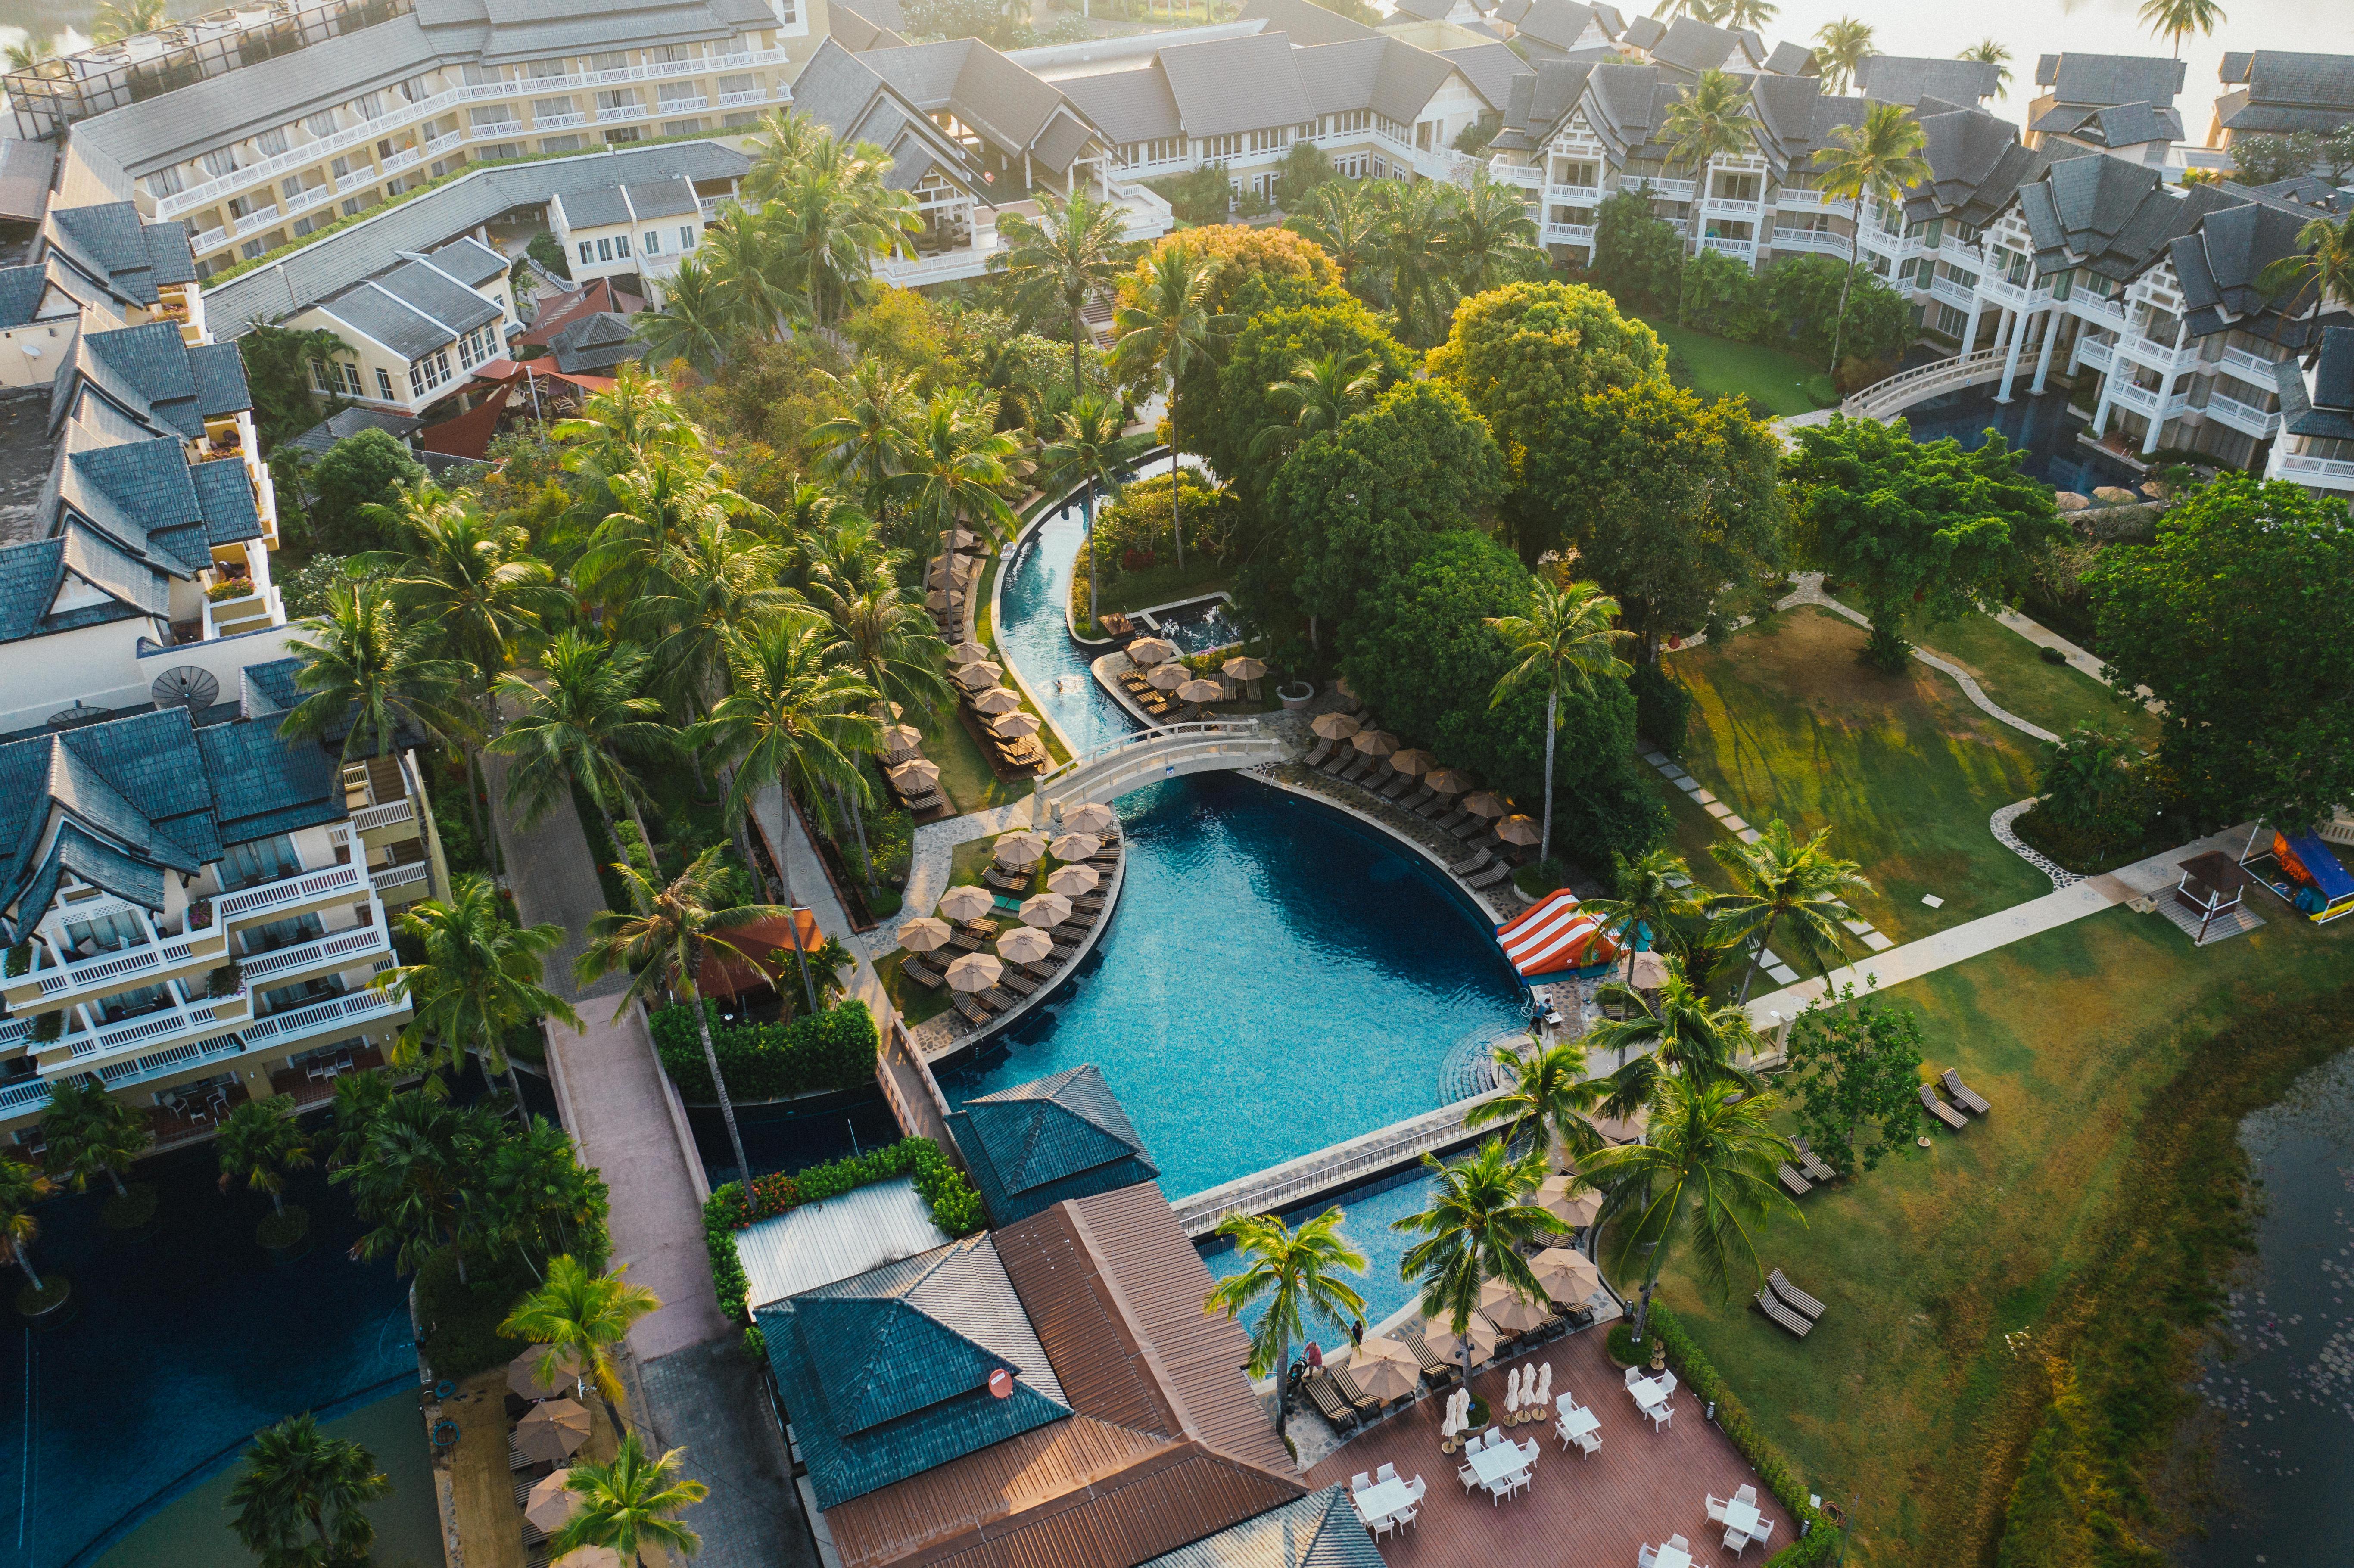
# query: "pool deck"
[[1640, 1487]]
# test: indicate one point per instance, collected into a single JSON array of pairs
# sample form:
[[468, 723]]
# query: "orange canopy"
[[728, 974]]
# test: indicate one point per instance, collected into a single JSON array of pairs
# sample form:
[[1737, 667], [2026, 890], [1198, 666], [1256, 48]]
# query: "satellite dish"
[[82, 713], [186, 684], [1001, 1383]]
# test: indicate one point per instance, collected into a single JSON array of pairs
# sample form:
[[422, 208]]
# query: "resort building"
[[2122, 104], [414, 335], [2276, 92], [629, 231], [2317, 413]]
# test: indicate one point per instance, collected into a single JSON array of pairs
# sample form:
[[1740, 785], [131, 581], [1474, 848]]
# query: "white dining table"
[[1497, 1460], [1384, 1499], [1649, 1392], [1742, 1517], [1672, 1557], [1578, 1422]]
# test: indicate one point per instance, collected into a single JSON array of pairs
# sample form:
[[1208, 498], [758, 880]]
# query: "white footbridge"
[[1150, 756]]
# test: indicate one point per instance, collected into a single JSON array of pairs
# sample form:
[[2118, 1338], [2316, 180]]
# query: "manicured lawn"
[[915, 1003], [1782, 383], [1908, 1398], [1788, 722], [971, 784]]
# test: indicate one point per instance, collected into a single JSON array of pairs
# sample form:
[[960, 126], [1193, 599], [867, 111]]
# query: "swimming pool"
[[1367, 1213], [2041, 425], [1198, 627], [1035, 636]]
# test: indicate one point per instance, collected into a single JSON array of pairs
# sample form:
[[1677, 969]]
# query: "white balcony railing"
[[263, 971], [496, 128], [2102, 312], [2249, 367], [2337, 473], [201, 1016], [2096, 353], [734, 100], [1740, 249], [206, 239], [172, 1059], [559, 121], [2149, 400], [260, 217], [30, 1094], [682, 105], [267, 900], [1822, 239], [393, 876], [1955, 293], [1574, 195], [1659, 189], [2242, 417], [619, 112], [109, 970], [368, 818], [1528, 176], [406, 158], [1569, 234], [332, 1016], [1729, 207]]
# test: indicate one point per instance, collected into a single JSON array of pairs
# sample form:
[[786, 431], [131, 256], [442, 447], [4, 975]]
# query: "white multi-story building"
[[415, 334], [2317, 448], [629, 231]]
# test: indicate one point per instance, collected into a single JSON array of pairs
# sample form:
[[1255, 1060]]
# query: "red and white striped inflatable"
[[1553, 936]]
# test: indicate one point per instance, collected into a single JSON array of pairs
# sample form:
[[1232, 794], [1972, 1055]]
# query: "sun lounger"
[[964, 941], [1773, 1308], [972, 1011], [1338, 763], [1489, 878], [1475, 830], [1964, 1095], [1418, 799], [1798, 1185], [1812, 1164], [922, 973], [1434, 1367], [1793, 1294], [1447, 822], [1941, 1110], [1476, 862], [1327, 1399], [1316, 758], [1005, 881], [997, 999], [1020, 982], [1071, 932], [1064, 952]]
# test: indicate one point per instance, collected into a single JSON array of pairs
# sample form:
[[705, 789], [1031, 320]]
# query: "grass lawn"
[[1781, 382], [915, 1003], [1788, 723], [1909, 1397]]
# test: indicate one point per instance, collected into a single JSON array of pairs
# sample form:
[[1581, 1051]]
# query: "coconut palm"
[[480, 981], [1711, 121], [1655, 890], [1739, 14], [1782, 885], [578, 725], [577, 1316], [2319, 274], [710, 583], [1066, 256], [1412, 255], [661, 942], [2174, 19], [22, 1190], [628, 1505], [1682, 1034], [1564, 640], [750, 272], [1321, 392], [300, 1500], [826, 225], [1297, 1274], [412, 1166], [1546, 1095], [660, 503], [1989, 51], [90, 1133], [37, 48], [258, 1144], [1704, 1174], [1488, 236], [1479, 1222], [866, 444], [695, 323], [1868, 164], [120, 20], [1345, 219], [1089, 454], [788, 139], [1168, 330], [621, 427], [886, 637], [954, 470], [1840, 47]]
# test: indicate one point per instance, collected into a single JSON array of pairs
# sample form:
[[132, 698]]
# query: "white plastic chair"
[[1499, 1489], [1667, 1383], [1495, 1436], [1591, 1442], [1715, 1510], [1646, 1556], [1763, 1533], [1561, 1430], [1386, 1473], [1359, 1482], [1745, 1493], [1529, 1449], [1634, 1376], [1470, 1478], [1663, 1415], [1680, 1543], [1415, 1488], [1408, 1517], [1477, 1441], [1734, 1541], [1381, 1527]]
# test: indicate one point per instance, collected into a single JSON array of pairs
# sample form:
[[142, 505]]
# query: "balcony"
[[2249, 367], [1574, 195], [500, 128], [737, 100], [337, 950], [621, 112], [1739, 250], [391, 880], [1569, 234], [2244, 418], [84, 1049], [336, 1015], [208, 240], [1659, 189], [1727, 206], [144, 964], [2147, 400], [559, 121], [1822, 239], [1959, 295], [406, 157], [24, 1097], [682, 105], [249, 611], [260, 218], [2332, 474], [2096, 353], [1528, 176], [172, 1059], [2100, 311], [291, 895]]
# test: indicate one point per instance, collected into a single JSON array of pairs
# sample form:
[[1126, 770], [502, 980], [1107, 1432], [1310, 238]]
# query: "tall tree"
[[1683, 1033], [1780, 886], [300, 1497], [23, 1188], [479, 980], [258, 1144], [90, 1133], [1868, 164], [868, 442], [892, 640], [577, 1316], [1840, 47], [1341, 217], [1294, 1275], [628, 1505], [1854, 1078], [1318, 395], [1651, 892], [411, 1167], [1547, 1097], [1709, 122], [1488, 236], [749, 270], [1088, 454], [694, 324], [620, 426], [2320, 274], [2176, 19], [955, 469], [580, 724], [1478, 1221], [1561, 641], [1703, 1178], [1066, 256], [1167, 330], [1412, 257]]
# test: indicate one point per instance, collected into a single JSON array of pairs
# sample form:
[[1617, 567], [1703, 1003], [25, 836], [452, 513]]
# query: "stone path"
[[1810, 592]]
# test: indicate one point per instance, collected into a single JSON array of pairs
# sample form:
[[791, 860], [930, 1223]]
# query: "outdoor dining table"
[[1672, 1557], [1498, 1460], [1742, 1517], [1580, 1421], [1649, 1393], [1384, 1499]]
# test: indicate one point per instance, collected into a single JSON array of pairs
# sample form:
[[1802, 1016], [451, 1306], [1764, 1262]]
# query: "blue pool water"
[[1037, 637], [1367, 1213], [1198, 627], [2041, 425]]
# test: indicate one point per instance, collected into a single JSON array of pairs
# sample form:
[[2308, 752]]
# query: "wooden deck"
[[1640, 1489]]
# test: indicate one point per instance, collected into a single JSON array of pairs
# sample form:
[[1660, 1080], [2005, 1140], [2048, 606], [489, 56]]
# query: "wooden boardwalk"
[[1328, 1169], [1581, 1511]]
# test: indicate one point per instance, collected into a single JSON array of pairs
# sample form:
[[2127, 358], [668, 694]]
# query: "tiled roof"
[[1319, 1531], [2097, 79], [21, 288], [1560, 23], [2110, 217], [350, 422], [673, 198], [600, 208], [1231, 85], [1130, 105], [110, 246], [593, 344], [1900, 79], [1691, 47], [139, 494], [2326, 408], [1304, 20], [470, 261], [2219, 265], [1060, 1136], [1976, 165], [102, 864], [1791, 60], [2287, 92], [225, 492], [149, 374], [1491, 69], [265, 784]]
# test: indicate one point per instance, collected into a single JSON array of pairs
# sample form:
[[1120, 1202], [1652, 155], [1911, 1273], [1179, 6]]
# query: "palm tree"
[[751, 273], [22, 1189], [828, 224], [1065, 256], [1322, 393], [1705, 1173], [787, 139], [374, 688], [578, 726], [1777, 880], [1412, 255], [1564, 640], [120, 20], [954, 469], [2324, 263], [1989, 51], [1479, 1220], [627, 1506], [1488, 236], [2175, 19], [708, 585], [37, 48], [1711, 121], [1297, 1274], [620, 427], [1548, 1097], [90, 1133], [1683, 1033], [1739, 14], [1089, 452], [659, 504], [695, 323], [479, 980], [301, 1498], [1655, 890], [1170, 330], [410, 1167], [866, 443], [1866, 164], [1343, 218], [258, 1144], [661, 942], [1840, 47], [577, 1316]]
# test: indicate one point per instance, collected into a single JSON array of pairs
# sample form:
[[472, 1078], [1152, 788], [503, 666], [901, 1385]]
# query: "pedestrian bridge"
[[1164, 751], [1886, 399]]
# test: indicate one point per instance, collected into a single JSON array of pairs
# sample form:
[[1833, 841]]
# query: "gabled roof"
[[1540, 102], [1230, 85], [470, 261], [2287, 92], [2113, 126], [2095, 80], [2326, 407], [22, 289], [1976, 165], [1130, 105], [412, 309], [994, 96], [322, 437], [1388, 76], [1643, 32], [1691, 47], [1059, 1137], [150, 376], [2219, 265], [1491, 69], [114, 250], [139, 494], [1319, 1530], [2109, 216], [1558, 23], [1793, 60], [592, 344], [1904, 79], [1304, 20]]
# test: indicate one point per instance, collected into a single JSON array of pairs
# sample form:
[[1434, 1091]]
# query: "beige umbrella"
[[1384, 1369], [1014, 726], [1045, 909], [996, 700], [1075, 846], [976, 676], [1024, 945], [1374, 742], [1091, 818], [916, 777], [1019, 849], [551, 1503], [1447, 780], [925, 934], [1438, 1333], [1486, 803], [1651, 971], [1333, 726], [1201, 691], [936, 599], [1568, 1276], [1519, 830], [900, 739], [1168, 677], [1626, 1131], [967, 653], [1346, 690], [588, 1557], [551, 1430], [1147, 652], [1508, 1311], [1070, 881], [1411, 762], [523, 1377], [966, 903], [1558, 1196], [975, 971], [1243, 667]]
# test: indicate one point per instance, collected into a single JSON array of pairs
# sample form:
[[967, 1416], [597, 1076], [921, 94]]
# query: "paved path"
[[713, 1402]]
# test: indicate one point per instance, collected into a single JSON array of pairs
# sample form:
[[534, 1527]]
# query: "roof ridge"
[[1084, 1235]]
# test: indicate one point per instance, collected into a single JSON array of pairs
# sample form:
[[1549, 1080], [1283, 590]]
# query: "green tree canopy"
[[1923, 531], [1854, 1079], [2240, 618], [360, 471], [1639, 251], [1223, 411]]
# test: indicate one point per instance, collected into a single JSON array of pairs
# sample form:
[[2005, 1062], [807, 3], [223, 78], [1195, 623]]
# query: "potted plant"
[[226, 980], [200, 915], [259, 1145]]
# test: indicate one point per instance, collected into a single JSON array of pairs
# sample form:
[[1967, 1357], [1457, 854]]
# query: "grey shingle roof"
[[139, 584], [2107, 215], [593, 344], [2327, 410], [1319, 1531], [470, 261], [141, 370], [1791, 60], [1693, 46], [1388, 76], [108, 245], [225, 492], [1902, 78], [1491, 69], [219, 371], [1130, 105], [322, 437], [21, 288], [1976, 165], [2219, 264], [1236, 84], [882, 12], [593, 209], [1643, 32], [992, 94], [1305, 21], [2098, 79], [139, 494], [102, 865], [384, 318], [1065, 1136], [264, 784], [2287, 92], [1560, 23], [28, 582], [673, 198]]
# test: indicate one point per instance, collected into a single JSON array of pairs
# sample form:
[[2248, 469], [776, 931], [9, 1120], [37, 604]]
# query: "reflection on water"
[[1198, 627], [2284, 1403], [1037, 636], [2041, 425]]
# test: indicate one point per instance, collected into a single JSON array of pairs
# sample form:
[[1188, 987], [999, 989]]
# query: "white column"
[[2011, 360], [2158, 420], [2043, 356], [1970, 333], [2101, 413]]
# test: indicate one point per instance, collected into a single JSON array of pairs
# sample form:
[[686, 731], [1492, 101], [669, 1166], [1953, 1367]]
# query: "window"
[[612, 59], [427, 373], [621, 246], [351, 377], [342, 169], [497, 151], [258, 860], [269, 144], [162, 182], [252, 249], [219, 164], [560, 144], [622, 133], [290, 187], [741, 117], [737, 89], [480, 76], [383, 384], [618, 101], [588, 250], [104, 933], [687, 237], [653, 242], [286, 999], [323, 123], [490, 116], [547, 70], [354, 206], [293, 931], [549, 107], [1951, 321], [786, 12], [604, 249], [320, 380], [683, 127], [131, 1003]]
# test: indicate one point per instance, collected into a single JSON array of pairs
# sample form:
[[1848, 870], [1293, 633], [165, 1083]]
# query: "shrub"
[[20, 959], [130, 1209], [1199, 197], [2051, 656], [1541, 877], [459, 1320], [1662, 708], [359, 470], [1734, 1419], [830, 1050]]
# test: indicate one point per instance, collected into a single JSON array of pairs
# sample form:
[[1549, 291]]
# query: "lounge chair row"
[[1967, 1097], [1788, 1306], [1340, 1402], [1491, 860], [1015, 981]]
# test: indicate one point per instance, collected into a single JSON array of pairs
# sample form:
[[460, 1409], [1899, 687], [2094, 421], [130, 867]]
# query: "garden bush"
[[459, 1319], [830, 1050], [1662, 708]]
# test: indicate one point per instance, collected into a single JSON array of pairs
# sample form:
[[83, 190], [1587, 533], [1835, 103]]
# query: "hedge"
[[830, 1050], [459, 1321], [956, 1206]]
